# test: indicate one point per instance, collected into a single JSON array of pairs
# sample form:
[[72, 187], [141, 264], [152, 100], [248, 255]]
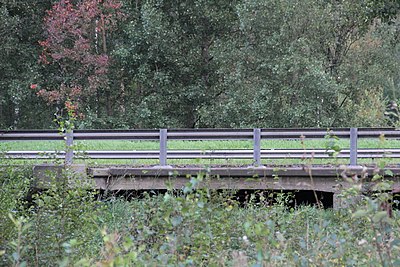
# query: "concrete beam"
[[264, 183], [45, 174]]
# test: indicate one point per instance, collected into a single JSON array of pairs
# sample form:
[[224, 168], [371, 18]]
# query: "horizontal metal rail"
[[196, 134], [207, 154]]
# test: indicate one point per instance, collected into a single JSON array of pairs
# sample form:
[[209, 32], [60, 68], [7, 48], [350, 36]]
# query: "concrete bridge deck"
[[320, 178]]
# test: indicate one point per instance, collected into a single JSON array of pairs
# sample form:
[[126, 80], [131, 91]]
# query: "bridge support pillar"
[[74, 175]]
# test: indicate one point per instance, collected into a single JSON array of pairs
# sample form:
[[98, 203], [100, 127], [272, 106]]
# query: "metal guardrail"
[[196, 134], [164, 135], [207, 154]]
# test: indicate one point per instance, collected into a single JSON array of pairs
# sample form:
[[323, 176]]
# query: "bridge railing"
[[164, 135]]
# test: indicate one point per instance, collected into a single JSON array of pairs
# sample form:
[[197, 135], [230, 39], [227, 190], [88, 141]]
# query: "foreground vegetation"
[[192, 227]]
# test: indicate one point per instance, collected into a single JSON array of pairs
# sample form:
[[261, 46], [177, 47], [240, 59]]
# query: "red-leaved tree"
[[75, 51]]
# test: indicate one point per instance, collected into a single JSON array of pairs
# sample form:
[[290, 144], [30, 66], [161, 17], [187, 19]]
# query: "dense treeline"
[[219, 63]]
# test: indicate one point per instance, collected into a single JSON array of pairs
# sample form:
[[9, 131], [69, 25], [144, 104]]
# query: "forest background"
[[215, 63]]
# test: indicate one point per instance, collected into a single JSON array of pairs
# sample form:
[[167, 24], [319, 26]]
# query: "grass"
[[127, 145], [142, 145], [200, 145]]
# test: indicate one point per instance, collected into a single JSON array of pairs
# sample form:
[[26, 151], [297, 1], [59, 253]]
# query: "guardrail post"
[[69, 153], [353, 146], [163, 147], [257, 146]]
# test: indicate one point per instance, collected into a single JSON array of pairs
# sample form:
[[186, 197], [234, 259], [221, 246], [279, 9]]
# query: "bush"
[[200, 227], [14, 186]]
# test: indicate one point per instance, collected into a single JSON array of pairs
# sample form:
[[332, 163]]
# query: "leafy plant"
[[14, 187]]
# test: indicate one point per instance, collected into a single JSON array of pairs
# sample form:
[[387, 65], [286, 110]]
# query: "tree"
[[75, 52], [168, 60], [292, 65], [20, 29], [273, 78], [158, 63]]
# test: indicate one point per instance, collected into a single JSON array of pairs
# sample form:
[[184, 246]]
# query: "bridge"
[[330, 178]]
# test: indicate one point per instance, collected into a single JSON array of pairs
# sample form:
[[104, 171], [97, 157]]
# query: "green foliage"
[[332, 144], [201, 228], [167, 55], [65, 211], [198, 226], [14, 185], [20, 249], [20, 29], [60, 208], [372, 209], [287, 66], [218, 63]]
